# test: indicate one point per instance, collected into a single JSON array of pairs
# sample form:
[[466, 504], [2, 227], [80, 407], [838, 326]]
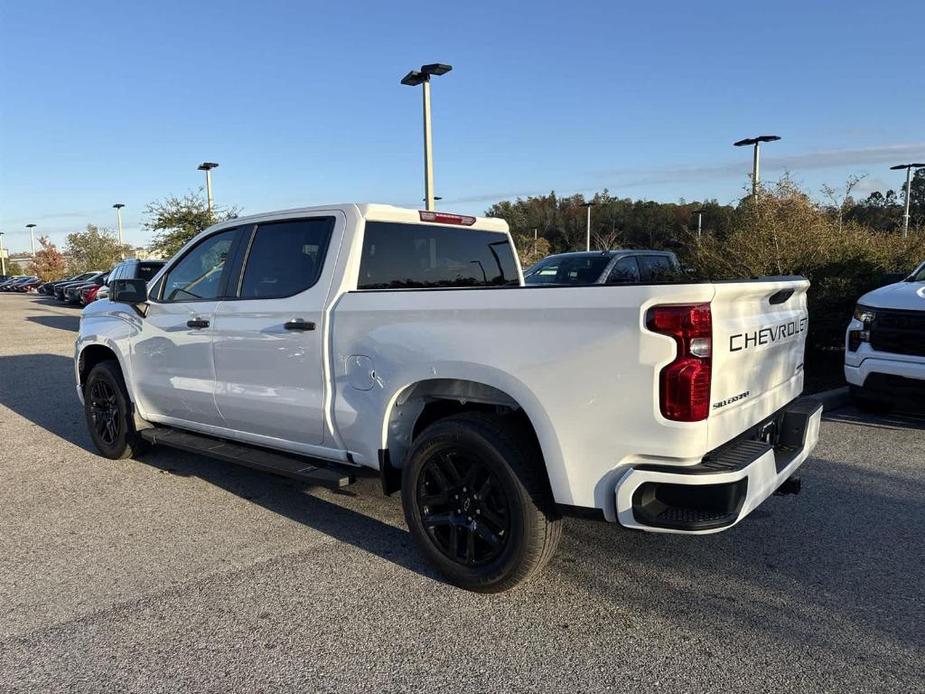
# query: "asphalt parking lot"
[[179, 573]]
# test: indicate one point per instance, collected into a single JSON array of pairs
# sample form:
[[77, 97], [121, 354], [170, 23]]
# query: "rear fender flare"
[[512, 392]]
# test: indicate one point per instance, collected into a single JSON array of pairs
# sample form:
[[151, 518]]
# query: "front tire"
[[477, 501], [109, 412]]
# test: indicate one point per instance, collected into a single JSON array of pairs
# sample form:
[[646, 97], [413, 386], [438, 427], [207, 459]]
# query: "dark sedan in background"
[[49, 287], [62, 287], [9, 281], [604, 267], [30, 285], [73, 291], [20, 284]]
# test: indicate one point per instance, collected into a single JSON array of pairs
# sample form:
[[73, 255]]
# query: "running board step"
[[317, 472]]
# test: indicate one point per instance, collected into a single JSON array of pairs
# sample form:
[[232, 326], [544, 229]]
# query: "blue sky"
[[300, 102]]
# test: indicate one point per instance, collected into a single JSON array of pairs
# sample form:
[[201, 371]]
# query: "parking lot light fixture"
[[908, 168], [31, 228], [588, 205], [421, 78], [699, 213], [118, 206], [207, 166], [756, 141]]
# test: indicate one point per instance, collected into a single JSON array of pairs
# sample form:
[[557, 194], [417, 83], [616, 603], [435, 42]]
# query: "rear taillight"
[[684, 385]]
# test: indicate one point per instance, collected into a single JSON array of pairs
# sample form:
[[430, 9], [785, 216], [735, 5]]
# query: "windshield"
[[918, 275], [582, 269]]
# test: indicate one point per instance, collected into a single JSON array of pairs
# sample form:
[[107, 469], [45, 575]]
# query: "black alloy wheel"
[[463, 507], [104, 411], [109, 412], [478, 502]]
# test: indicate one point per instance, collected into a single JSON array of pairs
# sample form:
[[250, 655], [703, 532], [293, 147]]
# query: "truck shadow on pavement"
[[71, 323], [292, 500], [41, 388]]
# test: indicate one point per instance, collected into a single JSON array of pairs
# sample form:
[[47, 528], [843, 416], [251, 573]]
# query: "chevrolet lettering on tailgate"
[[764, 336]]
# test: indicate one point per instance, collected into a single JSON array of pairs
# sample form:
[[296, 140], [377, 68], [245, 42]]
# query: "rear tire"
[[109, 412], [477, 501]]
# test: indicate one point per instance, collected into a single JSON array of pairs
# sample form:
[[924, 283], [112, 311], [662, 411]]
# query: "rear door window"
[[425, 256], [285, 257], [576, 270], [655, 268], [624, 271]]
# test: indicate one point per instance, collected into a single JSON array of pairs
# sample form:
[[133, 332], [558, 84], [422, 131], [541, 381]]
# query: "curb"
[[833, 399]]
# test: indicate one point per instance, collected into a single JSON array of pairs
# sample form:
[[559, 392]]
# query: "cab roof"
[[379, 213]]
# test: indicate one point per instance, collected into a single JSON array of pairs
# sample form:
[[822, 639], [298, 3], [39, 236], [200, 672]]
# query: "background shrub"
[[784, 232]]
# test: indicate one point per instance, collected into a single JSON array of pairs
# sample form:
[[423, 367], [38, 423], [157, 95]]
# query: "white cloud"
[[821, 159], [618, 179]]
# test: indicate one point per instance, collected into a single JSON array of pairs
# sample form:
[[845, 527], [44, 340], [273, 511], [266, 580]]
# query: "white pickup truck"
[[325, 342], [885, 344]]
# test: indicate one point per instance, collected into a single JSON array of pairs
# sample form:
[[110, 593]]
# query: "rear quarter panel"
[[577, 359]]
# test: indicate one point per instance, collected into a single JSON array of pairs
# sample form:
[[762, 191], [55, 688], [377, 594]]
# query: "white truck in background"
[[885, 344], [325, 342]]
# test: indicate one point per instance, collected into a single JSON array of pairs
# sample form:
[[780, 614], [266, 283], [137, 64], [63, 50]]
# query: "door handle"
[[198, 323], [299, 324]]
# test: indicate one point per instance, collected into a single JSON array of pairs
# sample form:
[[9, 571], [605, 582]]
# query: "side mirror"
[[128, 292]]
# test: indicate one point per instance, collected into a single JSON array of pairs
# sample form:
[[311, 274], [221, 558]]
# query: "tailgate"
[[759, 333]]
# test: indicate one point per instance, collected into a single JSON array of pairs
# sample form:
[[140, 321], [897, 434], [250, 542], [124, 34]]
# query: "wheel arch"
[[90, 356], [94, 353], [425, 401]]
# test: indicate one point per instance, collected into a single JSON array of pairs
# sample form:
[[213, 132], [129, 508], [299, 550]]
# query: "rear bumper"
[[728, 484]]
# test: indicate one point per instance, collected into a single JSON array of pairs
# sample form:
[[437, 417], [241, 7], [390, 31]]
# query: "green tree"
[[884, 211], [530, 250], [13, 268], [615, 222], [175, 220], [93, 249], [916, 199], [49, 264]]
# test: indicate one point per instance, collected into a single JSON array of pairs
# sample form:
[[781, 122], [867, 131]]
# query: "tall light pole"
[[207, 166], [118, 207], [756, 141], [908, 168], [413, 79], [2, 259], [699, 214], [588, 205], [31, 228]]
